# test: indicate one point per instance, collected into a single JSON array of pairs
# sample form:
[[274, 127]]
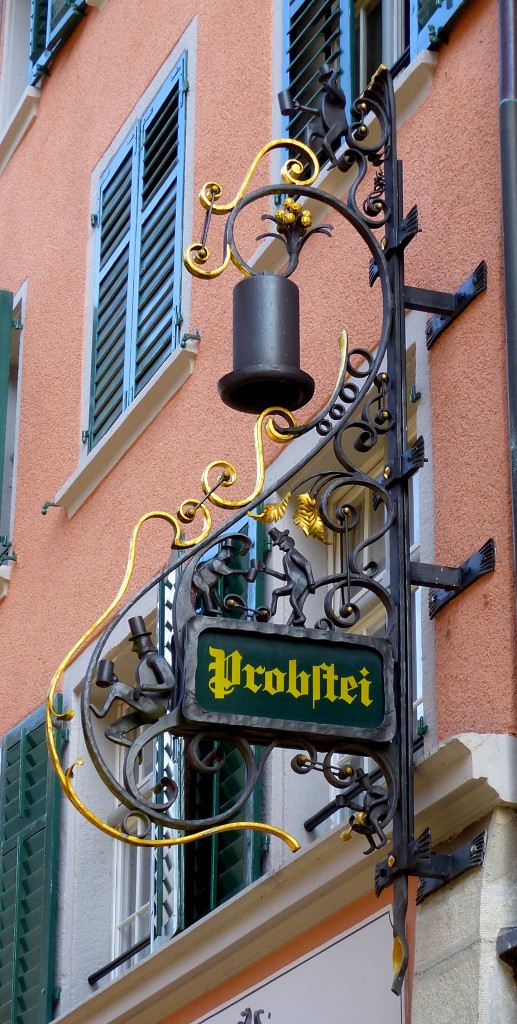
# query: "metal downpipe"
[[508, 150]]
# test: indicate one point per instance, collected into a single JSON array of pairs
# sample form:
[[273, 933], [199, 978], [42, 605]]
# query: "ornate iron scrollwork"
[[365, 413]]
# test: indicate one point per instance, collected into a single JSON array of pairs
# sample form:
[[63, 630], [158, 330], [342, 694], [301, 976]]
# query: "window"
[[28, 864], [381, 36], [133, 880], [357, 36], [51, 23], [10, 325], [137, 315]]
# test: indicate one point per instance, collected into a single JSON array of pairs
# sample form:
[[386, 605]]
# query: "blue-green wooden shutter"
[[137, 313], [159, 230], [115, 261], [28, 871], [6, 321], [52, 22], [316, 31], [428, 19], [223, 865]]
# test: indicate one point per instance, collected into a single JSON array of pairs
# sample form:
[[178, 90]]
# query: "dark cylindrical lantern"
[[266, 347]]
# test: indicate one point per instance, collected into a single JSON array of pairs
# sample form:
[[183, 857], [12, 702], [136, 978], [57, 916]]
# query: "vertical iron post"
[[399, 553]]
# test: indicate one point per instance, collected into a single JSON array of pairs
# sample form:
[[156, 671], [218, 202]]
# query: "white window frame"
[[393, 43], [19, 101], [95, 465]]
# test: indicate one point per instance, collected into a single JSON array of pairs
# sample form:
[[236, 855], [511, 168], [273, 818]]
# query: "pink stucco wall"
[[68, 570]]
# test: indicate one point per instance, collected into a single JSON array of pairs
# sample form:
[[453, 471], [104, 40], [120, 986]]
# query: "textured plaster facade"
[[70, 564], [58, 580]]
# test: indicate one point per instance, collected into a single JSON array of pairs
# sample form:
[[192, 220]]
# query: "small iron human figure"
[[150, 697], [207, 575], [297, 574]]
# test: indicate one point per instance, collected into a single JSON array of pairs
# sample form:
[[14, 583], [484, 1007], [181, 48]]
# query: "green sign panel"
[[267, 677]]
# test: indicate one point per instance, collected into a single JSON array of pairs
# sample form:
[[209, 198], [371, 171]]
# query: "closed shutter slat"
[[160, 146], [157, 267]]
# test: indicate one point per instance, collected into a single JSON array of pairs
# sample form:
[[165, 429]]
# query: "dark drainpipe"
[[508, 144]]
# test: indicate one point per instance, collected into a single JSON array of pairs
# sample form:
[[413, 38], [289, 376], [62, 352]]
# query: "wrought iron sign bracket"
[[402, 469], [446, 306], [434, 870], [445, 868], [249, 664], [404, 234], [448, 581]]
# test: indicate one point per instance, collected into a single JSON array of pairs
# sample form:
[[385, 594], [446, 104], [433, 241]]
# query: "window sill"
[[99, 4], [101, 460], [5, 576], [18, 124]]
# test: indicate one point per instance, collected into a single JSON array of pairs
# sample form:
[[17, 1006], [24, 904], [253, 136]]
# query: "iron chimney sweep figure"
[[207, 575], [297, 574], [150, 697]]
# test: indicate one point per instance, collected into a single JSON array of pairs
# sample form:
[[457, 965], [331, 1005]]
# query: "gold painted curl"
[[265, 422], [186, 513], [198, 253]]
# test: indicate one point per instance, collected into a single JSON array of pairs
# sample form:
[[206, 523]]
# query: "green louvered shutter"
[[118, 193], [137, 284], [223, 865], [52, 22], [28, 867], [159, 233], [429, 21], [316, 31], [6, 321], [38, 39]]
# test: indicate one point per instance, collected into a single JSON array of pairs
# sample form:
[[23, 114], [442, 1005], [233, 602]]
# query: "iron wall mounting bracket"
[[506, 947], [446, 306], [451, 581], [401, 469], [434, 870], [403, 236], [444, 868]]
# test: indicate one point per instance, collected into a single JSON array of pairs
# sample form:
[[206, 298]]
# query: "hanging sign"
[[273, 678]]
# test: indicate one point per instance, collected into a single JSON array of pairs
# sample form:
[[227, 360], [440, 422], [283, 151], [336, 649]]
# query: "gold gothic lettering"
[[321, 683], [226, 672]]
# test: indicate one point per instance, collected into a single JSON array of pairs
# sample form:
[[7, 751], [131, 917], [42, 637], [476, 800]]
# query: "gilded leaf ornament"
[[308, 518], [272, 513]]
